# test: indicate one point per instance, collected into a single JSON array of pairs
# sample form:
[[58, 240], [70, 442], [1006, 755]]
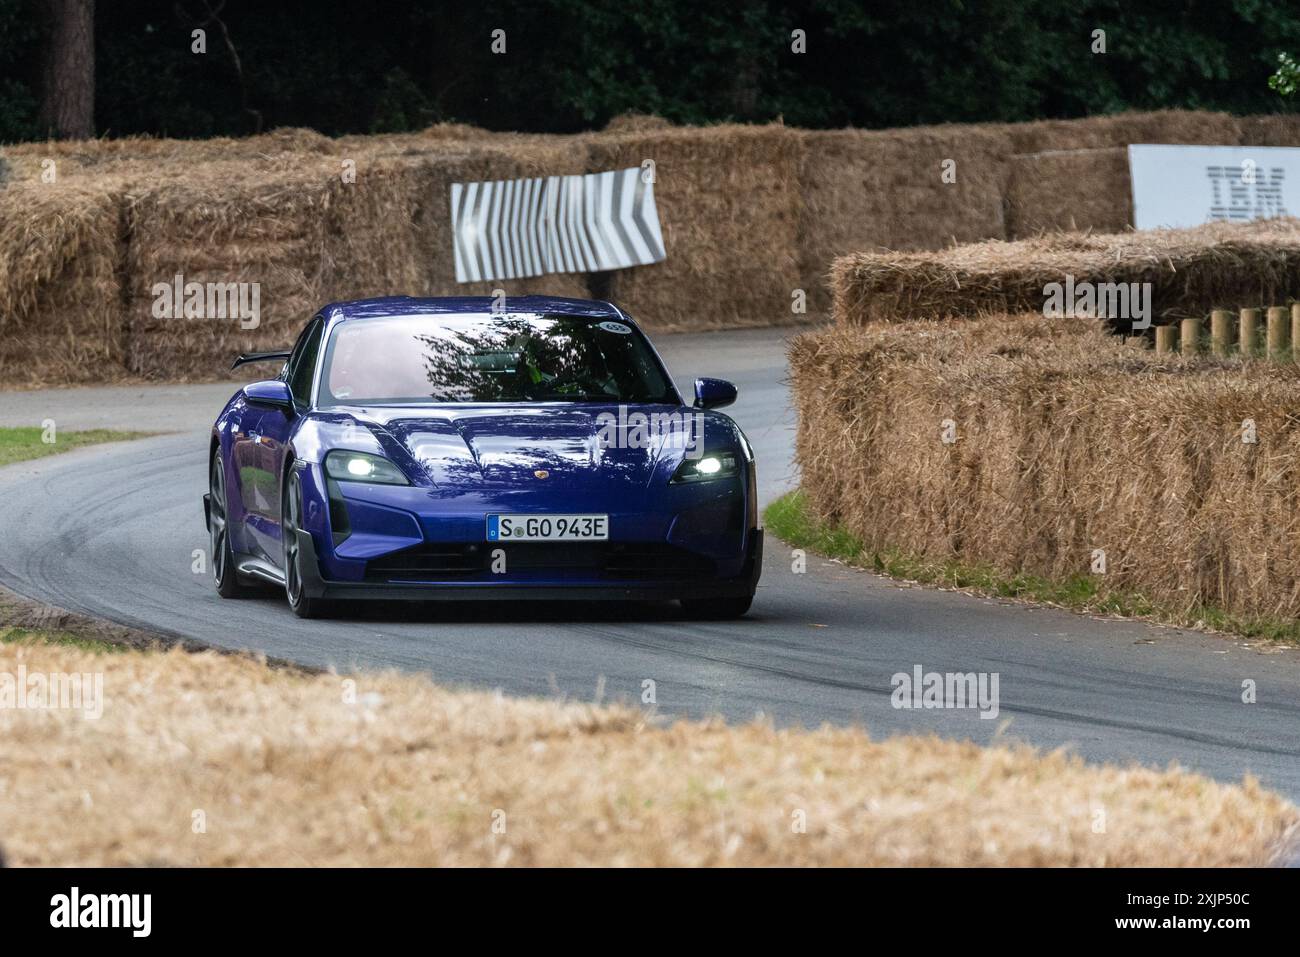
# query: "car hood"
[[503, 446]]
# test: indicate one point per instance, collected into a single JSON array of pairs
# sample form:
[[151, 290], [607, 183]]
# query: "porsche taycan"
[[459, 448]]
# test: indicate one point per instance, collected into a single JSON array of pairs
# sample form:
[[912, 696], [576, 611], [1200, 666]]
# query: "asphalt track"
[[112, 530]]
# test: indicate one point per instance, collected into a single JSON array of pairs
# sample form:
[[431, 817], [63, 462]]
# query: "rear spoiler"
[[248, 357]]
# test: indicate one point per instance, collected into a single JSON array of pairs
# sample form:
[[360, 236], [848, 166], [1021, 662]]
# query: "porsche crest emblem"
[[541, 474]]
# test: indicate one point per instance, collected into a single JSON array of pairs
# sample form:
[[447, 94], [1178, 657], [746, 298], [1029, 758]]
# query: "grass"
[[197, 756], [790, 520], [28, 442], [14, 636]]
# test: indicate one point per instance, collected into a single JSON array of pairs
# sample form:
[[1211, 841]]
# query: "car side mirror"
[[713, 393], [270, 394]]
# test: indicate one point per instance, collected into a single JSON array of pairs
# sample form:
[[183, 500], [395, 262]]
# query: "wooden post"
[[1191, 337], [1277, 331], [1295, 331], [1164, 339], [1248, 337], [1221, 331]]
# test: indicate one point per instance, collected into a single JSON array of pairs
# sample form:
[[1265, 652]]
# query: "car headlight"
[[363, 467], [715, 465]]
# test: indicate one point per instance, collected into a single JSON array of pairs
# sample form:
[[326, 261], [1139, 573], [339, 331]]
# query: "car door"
[[254, 478], [271, 440]]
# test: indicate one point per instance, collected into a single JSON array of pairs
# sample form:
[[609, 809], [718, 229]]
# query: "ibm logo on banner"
[[507, 229], [1240, 196]]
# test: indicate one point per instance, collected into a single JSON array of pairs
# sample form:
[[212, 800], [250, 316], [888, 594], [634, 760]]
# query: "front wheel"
[[303, 605], [716, 609]]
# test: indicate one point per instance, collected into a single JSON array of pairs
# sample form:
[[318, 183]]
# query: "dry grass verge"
[[1190, 270], [285, 771], [1066, 441]]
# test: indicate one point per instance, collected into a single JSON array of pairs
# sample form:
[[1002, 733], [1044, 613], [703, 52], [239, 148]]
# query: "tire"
[[224, 573], [717, 609], [302, 605]]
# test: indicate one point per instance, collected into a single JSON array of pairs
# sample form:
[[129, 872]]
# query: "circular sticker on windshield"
[[618, 327]]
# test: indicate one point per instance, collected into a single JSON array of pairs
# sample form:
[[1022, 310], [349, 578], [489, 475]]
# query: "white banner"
[[506, 229], [1190, 185]]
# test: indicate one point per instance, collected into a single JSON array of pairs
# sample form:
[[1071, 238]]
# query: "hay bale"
[[148, 158], [871, 190], [224, 222], [1194, 127], [1067, 440], [1277, 129], [1069, 190], [60, 303], [1191, 272], [728, 201], [287, 139], [636, 123], [749, 213], [27, 161], [440, 139], [885, 189], [455, 131], [285, 219], [390, 231]]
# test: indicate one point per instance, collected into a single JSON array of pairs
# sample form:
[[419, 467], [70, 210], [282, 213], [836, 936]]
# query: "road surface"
[[112, 531]]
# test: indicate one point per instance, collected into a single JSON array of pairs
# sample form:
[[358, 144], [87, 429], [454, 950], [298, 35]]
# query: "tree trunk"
[[68, 87]]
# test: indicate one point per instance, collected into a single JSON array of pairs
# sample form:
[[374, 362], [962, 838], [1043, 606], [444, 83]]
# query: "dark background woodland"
[[343, 66]]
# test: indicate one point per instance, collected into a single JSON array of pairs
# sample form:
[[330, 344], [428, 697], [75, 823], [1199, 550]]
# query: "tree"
[[68, 76], [1287, 77]]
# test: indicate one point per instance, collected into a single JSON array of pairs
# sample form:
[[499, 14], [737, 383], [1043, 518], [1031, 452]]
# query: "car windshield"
[[509, 357]]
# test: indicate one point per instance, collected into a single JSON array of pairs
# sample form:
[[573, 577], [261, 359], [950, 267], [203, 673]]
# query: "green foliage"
[[1287, 77], [402, 106]]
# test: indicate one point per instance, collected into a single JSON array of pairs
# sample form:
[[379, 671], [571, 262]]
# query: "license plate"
[[547, 528]]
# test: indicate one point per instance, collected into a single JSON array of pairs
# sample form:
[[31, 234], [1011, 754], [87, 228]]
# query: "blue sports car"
[[458, 449]]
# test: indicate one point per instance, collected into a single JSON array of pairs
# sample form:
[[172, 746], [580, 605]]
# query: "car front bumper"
[[741, 586]]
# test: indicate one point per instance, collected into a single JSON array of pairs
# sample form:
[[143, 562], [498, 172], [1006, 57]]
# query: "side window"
[[286, 371], [303, 364]]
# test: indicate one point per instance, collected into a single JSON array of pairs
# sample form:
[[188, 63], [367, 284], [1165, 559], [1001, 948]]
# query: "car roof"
[[388, 306]]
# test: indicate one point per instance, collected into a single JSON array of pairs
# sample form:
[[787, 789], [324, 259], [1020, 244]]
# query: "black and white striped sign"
[[506, 229]]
